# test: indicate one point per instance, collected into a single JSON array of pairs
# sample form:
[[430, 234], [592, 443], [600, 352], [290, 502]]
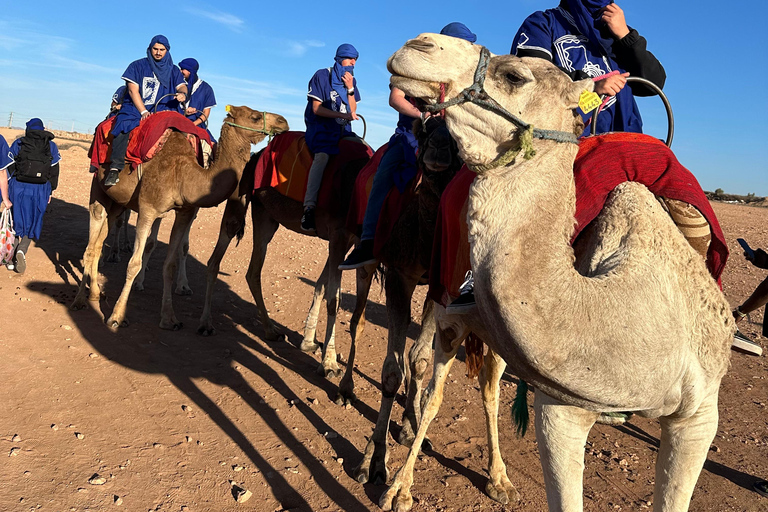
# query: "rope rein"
[[477, 94], [269, 133]]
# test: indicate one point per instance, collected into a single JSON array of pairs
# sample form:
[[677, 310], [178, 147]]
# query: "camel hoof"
[[504, 492], [139, 287], [115, 324], [206, 330], [309, 347], [171, 326], [396, 499], [361, 474], [78, 305], [345, 398], [329, 373], [127, 248], [279, 338], [426, 445], [380, 476], [113, 258], [184, 290]]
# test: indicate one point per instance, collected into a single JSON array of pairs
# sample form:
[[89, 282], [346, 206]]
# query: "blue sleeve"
[[55, 156], [6, 158], [209, 100], [119, 94], [134, 73], [534, 34], [15, 148], [319, 86], [177, 78]]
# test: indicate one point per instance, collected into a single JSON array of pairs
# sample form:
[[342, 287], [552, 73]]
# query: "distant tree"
[[719, 192]]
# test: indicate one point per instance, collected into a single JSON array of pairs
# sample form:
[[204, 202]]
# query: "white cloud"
[[299, 48], [230, 21]]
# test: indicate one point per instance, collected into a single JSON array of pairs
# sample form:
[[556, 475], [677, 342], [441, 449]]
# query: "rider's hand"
[[354, 117], [760, 260], [611, 85], [189, 111], [181, 97], [348, 79], [145, 114], [7, 203], [613, 17]]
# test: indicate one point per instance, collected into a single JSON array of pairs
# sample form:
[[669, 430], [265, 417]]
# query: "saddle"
[[285, 162], [603, 163]]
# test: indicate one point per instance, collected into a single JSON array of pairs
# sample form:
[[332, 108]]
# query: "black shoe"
[[466, 301], [743, 344], [360, 257], [112, 178], [308, 220], [21, 262], [761, 488]]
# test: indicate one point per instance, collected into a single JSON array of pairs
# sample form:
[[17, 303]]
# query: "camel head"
[[258, 125], [532, 89], [437, 149]]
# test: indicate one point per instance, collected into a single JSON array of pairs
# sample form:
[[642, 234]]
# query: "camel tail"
[[520, 408], [474, 348]]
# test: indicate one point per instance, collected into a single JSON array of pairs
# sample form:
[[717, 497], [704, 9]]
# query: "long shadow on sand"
[[184, 356]]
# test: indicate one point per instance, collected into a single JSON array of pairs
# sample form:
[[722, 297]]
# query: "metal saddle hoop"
[[667, 106]]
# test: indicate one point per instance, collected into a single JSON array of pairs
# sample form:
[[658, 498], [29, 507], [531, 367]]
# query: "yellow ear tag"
[[589, 101], [228, 108]]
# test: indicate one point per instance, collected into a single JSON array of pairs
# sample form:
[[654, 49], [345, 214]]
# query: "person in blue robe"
[[34, 178], [398, 164], [201, 98], [591, 38], [332, 99], [152, 83], [117, 99]]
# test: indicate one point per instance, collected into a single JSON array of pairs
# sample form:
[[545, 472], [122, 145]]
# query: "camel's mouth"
[[417, 89]]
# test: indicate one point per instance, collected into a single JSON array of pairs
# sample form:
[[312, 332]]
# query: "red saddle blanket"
[[391, 209], [603, 162], [284, 165], [147, 139]]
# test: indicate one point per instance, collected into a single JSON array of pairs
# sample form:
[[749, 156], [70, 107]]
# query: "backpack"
[[33, 163]]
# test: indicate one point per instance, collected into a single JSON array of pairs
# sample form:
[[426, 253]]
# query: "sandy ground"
[[170, 419]]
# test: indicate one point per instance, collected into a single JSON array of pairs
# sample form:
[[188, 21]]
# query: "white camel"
[[629, 321]]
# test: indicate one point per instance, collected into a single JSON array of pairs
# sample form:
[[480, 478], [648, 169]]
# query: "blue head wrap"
[[192, 66], [587, 14], [460, 31], [35, 124], [162, 68], [345, 51]]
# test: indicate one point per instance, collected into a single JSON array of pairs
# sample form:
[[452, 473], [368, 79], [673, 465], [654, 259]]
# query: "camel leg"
[[398, 496], [399, 290], [418, 358], [264, 228], [499, 488], [114, 236], [124, 242], [182, 283], [561, 431], [149, 248], [356, 325], [309, 344], [232, 222], [143, 228], [337, 247], [684, 447], [179, 231], [98, 229]]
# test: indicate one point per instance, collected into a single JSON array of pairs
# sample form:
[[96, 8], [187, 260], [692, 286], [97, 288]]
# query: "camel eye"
[[513, 79]]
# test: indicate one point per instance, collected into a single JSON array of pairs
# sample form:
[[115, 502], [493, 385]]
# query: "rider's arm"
[[4, 187], [398, 101], [203, 117], [133, 92], [320, 110], [631, 54]]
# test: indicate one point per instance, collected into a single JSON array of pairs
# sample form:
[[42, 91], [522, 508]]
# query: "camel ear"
[[573, 92]]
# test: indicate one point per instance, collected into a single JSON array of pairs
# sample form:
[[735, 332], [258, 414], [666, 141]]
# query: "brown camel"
[[172, 180], [270, 209], [641, 325]]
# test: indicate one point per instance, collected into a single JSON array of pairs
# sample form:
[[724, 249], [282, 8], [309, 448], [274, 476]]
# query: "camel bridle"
[[268, 133], [477, 94]]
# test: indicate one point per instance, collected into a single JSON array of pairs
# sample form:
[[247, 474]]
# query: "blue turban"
[[460, 31], [162, 68], [35, 124], [344, 51], [587, 14], [192, 66]]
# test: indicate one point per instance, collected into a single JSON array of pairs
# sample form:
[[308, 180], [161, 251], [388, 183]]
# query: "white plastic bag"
[[7, 237]]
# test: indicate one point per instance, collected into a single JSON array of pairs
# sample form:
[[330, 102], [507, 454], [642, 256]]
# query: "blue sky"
[[59, 63]]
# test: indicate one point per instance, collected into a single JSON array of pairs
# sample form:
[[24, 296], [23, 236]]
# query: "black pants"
[[119, 147]]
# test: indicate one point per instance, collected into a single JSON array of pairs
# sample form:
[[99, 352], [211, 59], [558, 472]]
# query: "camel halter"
[[268, 133], [477, 94]]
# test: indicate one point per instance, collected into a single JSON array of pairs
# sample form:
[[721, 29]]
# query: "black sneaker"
[[360, 257], [308, 220], [112, 178], [21, 262], [743, 344], [466, 300]]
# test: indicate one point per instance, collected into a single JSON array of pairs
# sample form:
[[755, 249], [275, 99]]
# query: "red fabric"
[[285, 162], [101, 146], [143, 144], [362, 190], [603, 162]]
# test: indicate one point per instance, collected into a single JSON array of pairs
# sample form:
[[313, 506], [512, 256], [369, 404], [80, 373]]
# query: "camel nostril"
[[421, 45]]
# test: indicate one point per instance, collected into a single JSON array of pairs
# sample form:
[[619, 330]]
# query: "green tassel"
[[520, 408], [526, 143]]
